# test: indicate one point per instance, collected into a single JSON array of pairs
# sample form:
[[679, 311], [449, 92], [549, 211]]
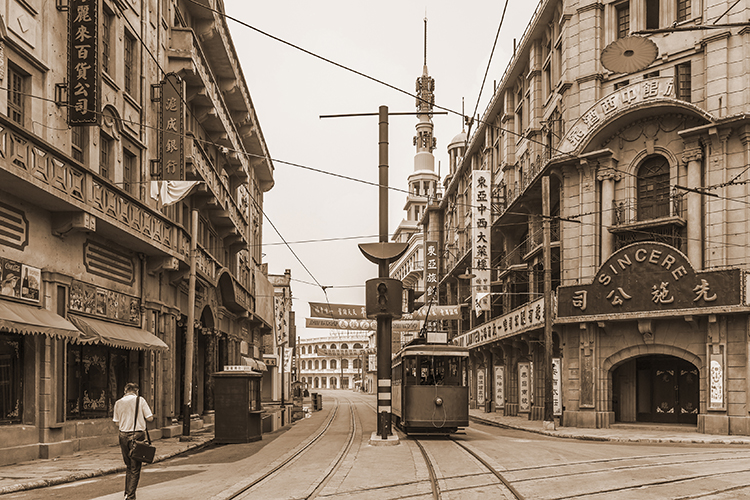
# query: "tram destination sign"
[[650, 277]]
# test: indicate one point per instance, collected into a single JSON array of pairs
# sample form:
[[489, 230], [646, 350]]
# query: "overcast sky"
[[323, 217]]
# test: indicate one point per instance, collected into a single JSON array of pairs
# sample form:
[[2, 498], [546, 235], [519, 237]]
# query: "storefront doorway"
[[663, 389]]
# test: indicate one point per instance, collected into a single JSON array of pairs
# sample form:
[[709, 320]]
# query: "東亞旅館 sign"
[[650, 277]]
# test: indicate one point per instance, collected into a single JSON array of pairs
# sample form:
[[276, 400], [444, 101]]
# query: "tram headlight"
[[438, 401]]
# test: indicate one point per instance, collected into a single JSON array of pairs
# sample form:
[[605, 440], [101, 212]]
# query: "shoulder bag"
[[142, 451]]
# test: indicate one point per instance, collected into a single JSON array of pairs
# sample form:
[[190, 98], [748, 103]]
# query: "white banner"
[[480, 388], [480, 240], [499, 387], [556, 388]]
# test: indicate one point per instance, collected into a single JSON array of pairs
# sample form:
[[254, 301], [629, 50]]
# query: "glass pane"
[[10, 378]]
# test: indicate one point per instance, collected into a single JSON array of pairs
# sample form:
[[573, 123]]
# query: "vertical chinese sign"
[[431, 278], [84, 80], [499, 386], [524, 388], [556, 387], [172, 128], [480, 240]]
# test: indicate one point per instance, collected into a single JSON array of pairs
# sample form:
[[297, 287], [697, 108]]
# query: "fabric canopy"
[[116, 335], [254, 364], [29, 320]]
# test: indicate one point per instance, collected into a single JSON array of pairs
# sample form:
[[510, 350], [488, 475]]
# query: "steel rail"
[[286, 461]]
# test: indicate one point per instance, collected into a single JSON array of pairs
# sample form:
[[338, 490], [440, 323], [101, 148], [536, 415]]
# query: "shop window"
[[345, 383], [96, 378], [11, 379], [653, 188]]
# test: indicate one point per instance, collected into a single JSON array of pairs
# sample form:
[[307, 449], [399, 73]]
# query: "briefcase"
[[142, 451]]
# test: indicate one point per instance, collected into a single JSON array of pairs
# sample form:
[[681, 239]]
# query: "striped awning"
[[30, 320], [258, 366], [116, 335]]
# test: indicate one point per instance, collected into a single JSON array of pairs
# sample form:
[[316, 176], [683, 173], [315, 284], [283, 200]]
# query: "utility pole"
[[190, 334], [547, 263]]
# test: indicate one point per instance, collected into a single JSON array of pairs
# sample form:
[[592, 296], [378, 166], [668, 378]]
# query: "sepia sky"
[[323, 217]]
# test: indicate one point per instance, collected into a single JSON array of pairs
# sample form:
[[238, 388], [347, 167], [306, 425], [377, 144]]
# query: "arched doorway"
[[656, 388]]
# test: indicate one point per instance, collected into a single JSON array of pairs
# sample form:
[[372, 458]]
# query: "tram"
[[429, 395]]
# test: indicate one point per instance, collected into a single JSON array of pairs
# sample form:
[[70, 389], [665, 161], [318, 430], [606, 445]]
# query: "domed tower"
[[423, 182]]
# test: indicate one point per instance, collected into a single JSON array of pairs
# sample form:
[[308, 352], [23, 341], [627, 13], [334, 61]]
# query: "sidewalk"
[[626, 433], [86, 464]]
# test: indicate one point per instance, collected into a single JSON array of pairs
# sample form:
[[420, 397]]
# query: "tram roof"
[[433, 350]]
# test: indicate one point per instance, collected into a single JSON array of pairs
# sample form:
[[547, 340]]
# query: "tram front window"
[[439, 370]]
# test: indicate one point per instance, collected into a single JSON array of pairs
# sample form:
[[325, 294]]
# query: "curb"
[[78, 476], [585, 437]]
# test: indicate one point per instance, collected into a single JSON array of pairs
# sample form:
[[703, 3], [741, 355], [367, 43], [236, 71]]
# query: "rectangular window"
[[683, 87], [11, 379], [683, 10], [96, 378], [107, 19], [622, 84], [653, 74], [519, 112], [105, 156], [652, 14], [129, 62], [623, 19], [77, 142], [129, 170], [16, 95]]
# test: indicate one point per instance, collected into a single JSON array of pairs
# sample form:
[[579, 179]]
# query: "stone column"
[[607, 174], [693, 158]]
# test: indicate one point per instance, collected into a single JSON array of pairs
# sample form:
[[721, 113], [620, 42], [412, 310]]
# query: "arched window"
[[344, 364], [323, 364], [323, 382], [345, 346], [333, 364], [357, 363], [653, 188], [333, 346], [316, 382], [333, 382], [317, 364], [357, 346]]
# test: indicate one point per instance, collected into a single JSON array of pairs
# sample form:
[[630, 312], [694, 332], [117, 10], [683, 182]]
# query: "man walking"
[[132, 427]]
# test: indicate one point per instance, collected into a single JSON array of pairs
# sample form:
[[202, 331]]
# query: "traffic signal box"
[[383, 297]]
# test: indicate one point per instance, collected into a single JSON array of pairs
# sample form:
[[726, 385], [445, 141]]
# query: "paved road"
[[329, 456]]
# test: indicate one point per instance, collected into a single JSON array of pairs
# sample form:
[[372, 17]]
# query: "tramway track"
[[247, 490], [507, 489], [646, 470]]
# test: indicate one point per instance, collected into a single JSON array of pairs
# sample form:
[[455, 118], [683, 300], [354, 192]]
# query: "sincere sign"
[[647, 277]]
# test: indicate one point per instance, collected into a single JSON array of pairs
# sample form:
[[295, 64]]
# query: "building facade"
[[334, 361], [105, 275], [624, 191]]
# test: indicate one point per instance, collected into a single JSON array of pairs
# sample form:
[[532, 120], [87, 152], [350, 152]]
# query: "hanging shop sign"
[[19, 281], [650, 277], [524, 387], [614, 104], [172, 128], [431, 282], [84, 74], [349, 311], [480, 387], [556, 387], [527, 317], [361, 324], [103, 303], [480, 240]]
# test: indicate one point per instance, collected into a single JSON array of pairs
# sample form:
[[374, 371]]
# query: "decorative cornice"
[[591, 6]]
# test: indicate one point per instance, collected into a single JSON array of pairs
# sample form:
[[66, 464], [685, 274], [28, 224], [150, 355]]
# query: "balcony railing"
[[51, 171], [628, 211]]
